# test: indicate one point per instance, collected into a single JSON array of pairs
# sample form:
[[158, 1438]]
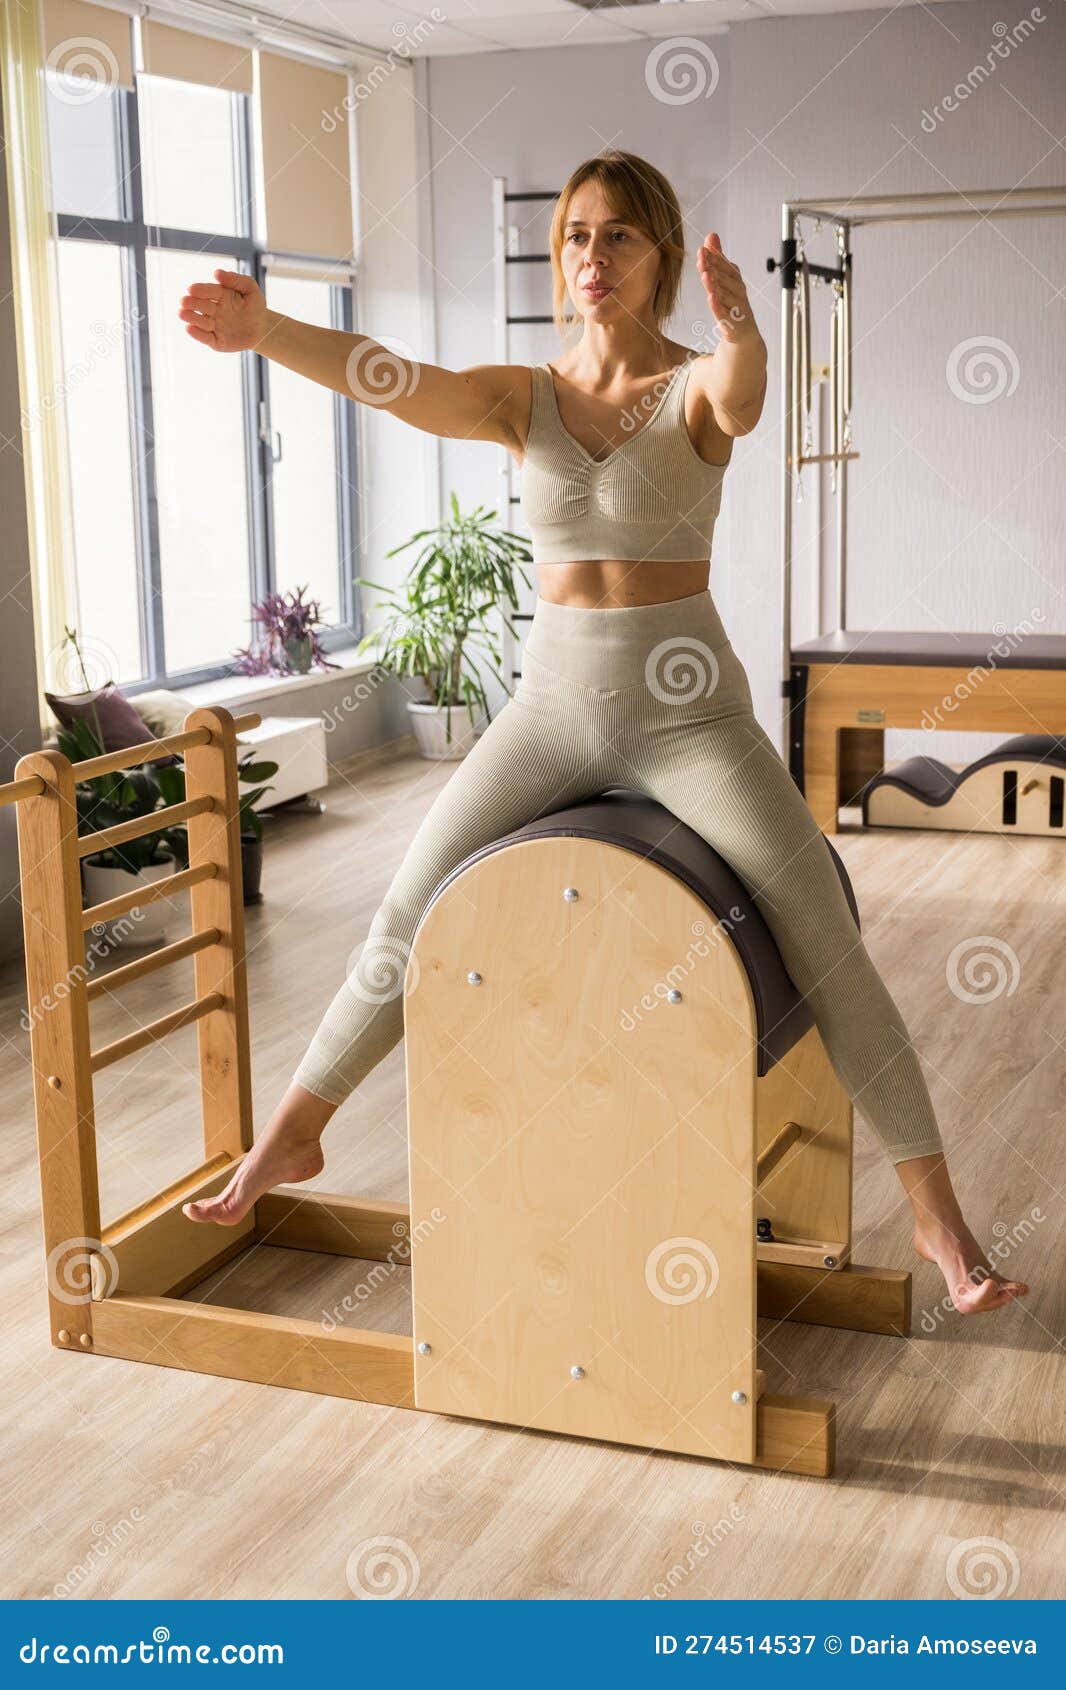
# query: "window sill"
[[249, 689]]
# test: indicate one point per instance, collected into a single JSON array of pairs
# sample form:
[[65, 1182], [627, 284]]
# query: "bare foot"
[[942, 1236], [287, 1152], [972, 1285]]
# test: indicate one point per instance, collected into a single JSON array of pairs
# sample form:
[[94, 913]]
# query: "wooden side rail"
[[59, 989]]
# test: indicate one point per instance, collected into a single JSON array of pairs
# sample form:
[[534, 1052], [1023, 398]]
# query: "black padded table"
[[845, 688]]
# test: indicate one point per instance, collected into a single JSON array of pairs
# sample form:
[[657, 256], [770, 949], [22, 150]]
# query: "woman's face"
[[610, 266]]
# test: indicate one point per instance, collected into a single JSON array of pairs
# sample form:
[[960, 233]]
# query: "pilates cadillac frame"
[[843, 689], [626, 1140]]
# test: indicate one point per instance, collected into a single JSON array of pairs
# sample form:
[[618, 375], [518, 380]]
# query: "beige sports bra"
[[653, 498]]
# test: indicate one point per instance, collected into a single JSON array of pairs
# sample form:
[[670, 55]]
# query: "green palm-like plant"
[[106, 800], [438, 629]]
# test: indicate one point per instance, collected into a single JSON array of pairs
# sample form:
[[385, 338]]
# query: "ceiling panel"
[[490, 26]]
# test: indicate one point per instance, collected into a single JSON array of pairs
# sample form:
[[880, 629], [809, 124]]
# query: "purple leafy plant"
[[287, 642]]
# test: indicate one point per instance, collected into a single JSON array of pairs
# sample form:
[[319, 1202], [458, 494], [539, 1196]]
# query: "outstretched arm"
[[230, 314], [735, 379]]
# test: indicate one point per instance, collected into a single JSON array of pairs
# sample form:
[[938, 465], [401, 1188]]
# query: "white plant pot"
[[142, 925], [430, 725]]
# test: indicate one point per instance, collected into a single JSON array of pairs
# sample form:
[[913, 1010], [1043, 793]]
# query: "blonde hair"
[[641, 194]]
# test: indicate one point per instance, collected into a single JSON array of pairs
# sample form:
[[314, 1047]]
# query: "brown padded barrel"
[[638, 823]]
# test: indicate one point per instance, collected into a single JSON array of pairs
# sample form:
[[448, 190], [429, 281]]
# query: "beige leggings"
[[653, 698]]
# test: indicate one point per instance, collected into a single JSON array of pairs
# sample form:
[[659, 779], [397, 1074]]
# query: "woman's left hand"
[[726, 291]]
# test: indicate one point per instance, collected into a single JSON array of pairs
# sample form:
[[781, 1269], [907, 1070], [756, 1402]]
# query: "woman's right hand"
[[228, 314]]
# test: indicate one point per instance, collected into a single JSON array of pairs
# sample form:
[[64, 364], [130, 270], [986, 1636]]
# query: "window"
[[308, 539], [199, 483]]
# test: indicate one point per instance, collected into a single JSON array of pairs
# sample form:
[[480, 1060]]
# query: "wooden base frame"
[[779, 1146], [155, 1256]]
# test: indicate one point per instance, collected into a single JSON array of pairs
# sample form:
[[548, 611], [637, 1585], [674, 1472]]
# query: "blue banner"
[[540, 1643]]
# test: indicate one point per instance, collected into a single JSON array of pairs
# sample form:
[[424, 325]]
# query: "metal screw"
[[473, 978], [740, 1398], [577, 1373], [829, 1261], [571, 894], [673, 996], [425, 1349]]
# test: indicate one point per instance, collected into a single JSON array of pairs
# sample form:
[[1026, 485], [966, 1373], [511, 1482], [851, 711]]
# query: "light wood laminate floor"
[[128, 1480]]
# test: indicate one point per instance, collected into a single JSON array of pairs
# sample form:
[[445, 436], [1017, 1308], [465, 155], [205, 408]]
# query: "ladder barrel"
[[592, 1005]]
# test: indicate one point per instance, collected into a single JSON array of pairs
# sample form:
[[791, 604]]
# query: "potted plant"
[[437, 630], [104, 801], [288, 642]]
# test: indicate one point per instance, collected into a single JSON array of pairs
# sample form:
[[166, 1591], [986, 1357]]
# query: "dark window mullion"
[[348, 613], [258, 453], [260, 466], [142, 406]]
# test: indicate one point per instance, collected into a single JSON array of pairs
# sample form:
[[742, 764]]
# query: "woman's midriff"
[[620, 582]]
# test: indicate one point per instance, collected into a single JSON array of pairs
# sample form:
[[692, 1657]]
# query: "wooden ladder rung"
[[784, 1140], [142, 895], [153, 821], [155, 1030], [155, 959]]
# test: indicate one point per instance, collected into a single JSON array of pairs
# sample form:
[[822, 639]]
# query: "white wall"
[[956, 508]]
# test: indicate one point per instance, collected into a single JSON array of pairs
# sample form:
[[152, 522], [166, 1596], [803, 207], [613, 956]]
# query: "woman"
[[624, 444]]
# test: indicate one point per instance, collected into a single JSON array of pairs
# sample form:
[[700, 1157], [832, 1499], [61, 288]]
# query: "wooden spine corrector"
[[626, 1140]]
